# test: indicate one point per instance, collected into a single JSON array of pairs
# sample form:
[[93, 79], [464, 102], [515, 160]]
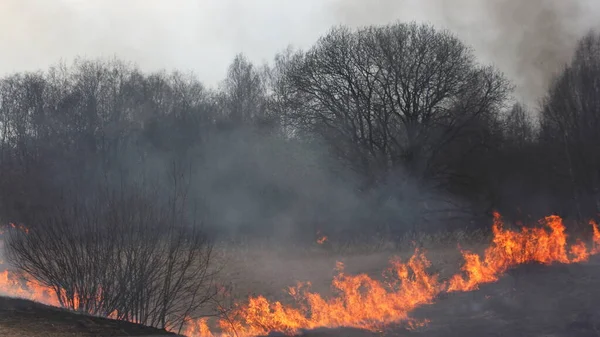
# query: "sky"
[[527, 39]]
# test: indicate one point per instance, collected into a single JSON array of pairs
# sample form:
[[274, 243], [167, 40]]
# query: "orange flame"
[[13, 285], [363, 302], [512, 248], [19, 227], [596, 238], [321, 239], [198, 328]]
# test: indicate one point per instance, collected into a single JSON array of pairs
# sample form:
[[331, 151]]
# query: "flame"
[[511, 248], [321, 239], [14, 285], [198, 328], [595, 238], [360, 301], [19, 227]]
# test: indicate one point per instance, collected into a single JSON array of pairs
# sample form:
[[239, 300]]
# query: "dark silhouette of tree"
[[243, 93], [392, 97], [570, 120]]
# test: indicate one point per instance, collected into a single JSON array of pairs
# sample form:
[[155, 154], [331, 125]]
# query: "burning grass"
[[366, 301]]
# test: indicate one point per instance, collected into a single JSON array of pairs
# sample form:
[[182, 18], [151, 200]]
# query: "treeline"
[[383, 129]]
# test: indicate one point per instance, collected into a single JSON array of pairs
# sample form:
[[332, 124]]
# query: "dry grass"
[[269, 268], [22, 318], [554, 301]]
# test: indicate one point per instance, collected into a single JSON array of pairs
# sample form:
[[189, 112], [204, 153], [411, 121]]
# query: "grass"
[[530, 300], [268, 268], [21, 318], [557, 298], [252, 268]]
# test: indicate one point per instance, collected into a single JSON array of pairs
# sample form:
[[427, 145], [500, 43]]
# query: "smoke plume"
[[529, 40]]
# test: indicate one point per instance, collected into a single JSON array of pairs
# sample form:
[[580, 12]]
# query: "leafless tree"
[[570, 121], [392, 96], [243, 93]]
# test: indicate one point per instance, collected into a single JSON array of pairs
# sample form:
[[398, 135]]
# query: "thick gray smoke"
[[529, 40], [534, 39]]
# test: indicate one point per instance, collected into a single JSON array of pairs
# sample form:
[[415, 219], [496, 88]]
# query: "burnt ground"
[[20, 318], [531, 300]]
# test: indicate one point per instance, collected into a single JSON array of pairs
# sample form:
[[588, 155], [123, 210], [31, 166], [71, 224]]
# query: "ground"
[[22, 318], [531, 300]]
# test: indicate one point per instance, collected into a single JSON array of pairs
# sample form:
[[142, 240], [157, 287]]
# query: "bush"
[[129, 253]]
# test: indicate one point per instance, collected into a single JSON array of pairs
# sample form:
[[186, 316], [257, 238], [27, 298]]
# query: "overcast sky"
[[204, 35]]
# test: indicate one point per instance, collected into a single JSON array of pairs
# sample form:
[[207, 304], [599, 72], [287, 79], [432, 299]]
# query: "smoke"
[[528, 40], [534, 39]]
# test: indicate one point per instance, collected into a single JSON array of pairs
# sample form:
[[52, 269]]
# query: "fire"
[[321, 239], [19, 227], [198, 328], [15, 285], [596, 238], [12, 284], [361, 301], [511, 248]]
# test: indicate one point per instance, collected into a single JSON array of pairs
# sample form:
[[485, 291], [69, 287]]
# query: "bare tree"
[[392, 96], [243, 92], [519, 126], [570, 121]]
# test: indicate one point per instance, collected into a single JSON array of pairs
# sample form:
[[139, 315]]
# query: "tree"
[[570, 120], [519, 127], [391, 97], [243, 95]]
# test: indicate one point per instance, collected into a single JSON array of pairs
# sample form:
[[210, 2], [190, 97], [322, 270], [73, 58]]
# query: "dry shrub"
[[128, 253]]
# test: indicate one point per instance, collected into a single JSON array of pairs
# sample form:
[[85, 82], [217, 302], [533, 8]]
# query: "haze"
[[528, 40]]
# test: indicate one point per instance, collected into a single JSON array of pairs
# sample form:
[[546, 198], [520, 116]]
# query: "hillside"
[[20, 318]]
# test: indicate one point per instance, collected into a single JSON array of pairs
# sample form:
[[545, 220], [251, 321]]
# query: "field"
[[529, 300]]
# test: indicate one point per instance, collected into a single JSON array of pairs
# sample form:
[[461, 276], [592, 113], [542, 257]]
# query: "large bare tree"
[[392, 96]]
